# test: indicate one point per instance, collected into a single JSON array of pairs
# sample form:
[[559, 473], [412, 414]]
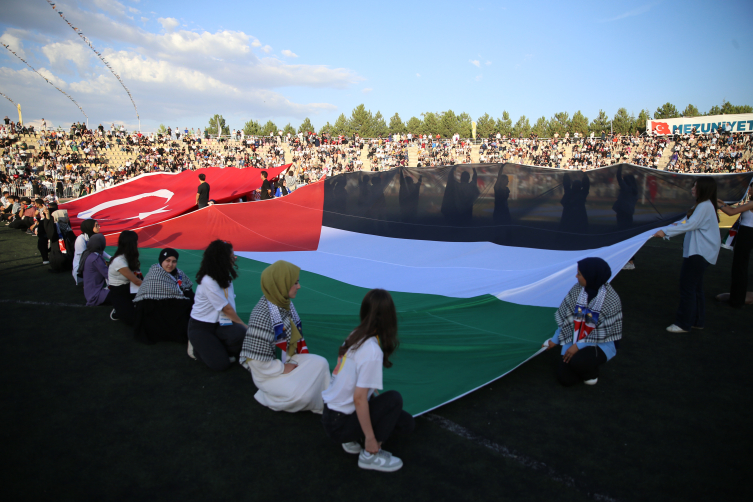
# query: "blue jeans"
[[692, 309]]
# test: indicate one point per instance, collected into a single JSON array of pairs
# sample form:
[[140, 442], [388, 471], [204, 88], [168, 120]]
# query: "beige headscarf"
[[60, 216], [276, 281]]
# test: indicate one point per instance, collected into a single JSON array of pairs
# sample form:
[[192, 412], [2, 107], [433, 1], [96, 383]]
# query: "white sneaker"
[[45, 263], [382, 461], [113, 315], [629, 266], [674, 328], [190, 351], [352, 447], [591, 382]]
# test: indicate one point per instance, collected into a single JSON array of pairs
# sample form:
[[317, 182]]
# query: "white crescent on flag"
[[164, 193]]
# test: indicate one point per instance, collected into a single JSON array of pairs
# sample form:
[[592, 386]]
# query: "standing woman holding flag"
[[743, 245]]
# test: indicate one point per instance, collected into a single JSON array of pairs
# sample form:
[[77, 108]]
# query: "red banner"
[[155, 197]]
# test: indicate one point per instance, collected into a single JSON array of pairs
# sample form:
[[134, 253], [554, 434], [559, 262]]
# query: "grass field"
[[89, 414]]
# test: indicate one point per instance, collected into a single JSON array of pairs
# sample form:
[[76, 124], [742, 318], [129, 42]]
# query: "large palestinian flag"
[[154, 197], [477, 257]]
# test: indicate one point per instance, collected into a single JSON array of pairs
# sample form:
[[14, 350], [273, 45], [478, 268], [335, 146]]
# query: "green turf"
[[89, 414]]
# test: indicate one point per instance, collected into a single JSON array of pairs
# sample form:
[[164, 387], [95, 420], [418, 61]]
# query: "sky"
[[184, 61]]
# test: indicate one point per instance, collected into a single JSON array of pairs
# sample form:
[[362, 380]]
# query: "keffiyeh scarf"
[[597, 321], [161, 285], [270, 334]]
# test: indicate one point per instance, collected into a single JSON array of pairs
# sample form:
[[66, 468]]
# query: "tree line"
[[448, 123]]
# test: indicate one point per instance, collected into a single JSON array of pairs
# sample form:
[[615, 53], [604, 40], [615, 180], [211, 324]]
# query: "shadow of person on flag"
[[459, 197], [408, 197], [574, 215]]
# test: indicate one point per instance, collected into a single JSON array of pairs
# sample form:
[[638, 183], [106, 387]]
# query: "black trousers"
[[584, 365], [387, 416], [740, 260], [122, 300], [43, 245], [692, 309], [214, 344]]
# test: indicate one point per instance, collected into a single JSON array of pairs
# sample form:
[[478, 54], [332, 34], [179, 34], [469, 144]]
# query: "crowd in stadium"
[[65, 164]]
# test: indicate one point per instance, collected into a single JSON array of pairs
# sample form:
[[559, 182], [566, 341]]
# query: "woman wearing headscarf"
[[62, 239], [164, 301], [590, 324], [274, 351], [88, 228], [95, 272]]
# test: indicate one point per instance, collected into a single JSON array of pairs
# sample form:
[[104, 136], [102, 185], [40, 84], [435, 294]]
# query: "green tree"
[[559, 124], [579, 124], [691, 111], [522, 127], [306, 126], [212, 128], [360, 121], [269, 127], [728, 108], [715, 110], [643, 118], [288, 129], [541, 127], [414, 126], [448, 124], [666, 111], [396, 125], [252, 128], [326, 129], [622, 123], [600, 123], [464, 125], [379, 126], [485, 125], [430, 124], [341, 127], [504, 124], [162, 129]]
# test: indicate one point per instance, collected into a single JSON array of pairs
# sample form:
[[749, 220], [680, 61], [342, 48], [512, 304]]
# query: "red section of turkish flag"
[[151, 198], [290, 223]]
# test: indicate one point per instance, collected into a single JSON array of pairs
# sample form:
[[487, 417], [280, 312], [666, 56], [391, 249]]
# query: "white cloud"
[[630, 13], [61, 53], [168, 23], [144, 19], [418, 75], [133, 10], [14, 42], [488, 63], [289, 54], [475, 62], [255, 43], [267, 49], [367, 90]]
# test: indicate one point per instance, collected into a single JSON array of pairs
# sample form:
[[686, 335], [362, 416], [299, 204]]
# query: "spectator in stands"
[[164, 301], [353, 411], [95, 272], [590, 324], [215, 332], [700, 249], [124, 271]]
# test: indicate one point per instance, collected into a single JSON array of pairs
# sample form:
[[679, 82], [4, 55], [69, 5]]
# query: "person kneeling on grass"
[[352, 410], [590, 324], [274, 351], [164, 301]]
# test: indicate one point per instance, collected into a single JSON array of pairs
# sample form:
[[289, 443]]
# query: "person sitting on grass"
[[121, 273], [353, 411], [215, 332], [164, 301], [590, 324], [88, 228], [62, 239], [274, 351], [95, 272]]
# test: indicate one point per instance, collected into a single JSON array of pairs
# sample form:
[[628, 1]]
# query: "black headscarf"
[[87, 227], [596, 272], [167, 253]]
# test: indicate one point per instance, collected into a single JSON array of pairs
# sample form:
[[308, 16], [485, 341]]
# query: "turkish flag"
[[155, 197]]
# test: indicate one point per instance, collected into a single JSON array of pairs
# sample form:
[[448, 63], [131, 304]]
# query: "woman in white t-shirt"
[[123, 271], [737, 297], [353, 411], [88, 228], [215, 332]]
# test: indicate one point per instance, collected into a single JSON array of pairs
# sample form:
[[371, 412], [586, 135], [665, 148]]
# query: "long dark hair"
[[705, 189], [378, 318], [128, 246], [217, 264]]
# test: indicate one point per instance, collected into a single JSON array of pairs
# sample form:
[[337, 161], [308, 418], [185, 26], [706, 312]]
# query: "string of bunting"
[[99, 55], [6, 97], [48, 80]]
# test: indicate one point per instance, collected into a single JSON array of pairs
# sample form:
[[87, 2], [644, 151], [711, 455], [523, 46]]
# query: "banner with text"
[[742, 122]]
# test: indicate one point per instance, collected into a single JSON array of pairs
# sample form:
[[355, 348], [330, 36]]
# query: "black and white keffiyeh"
[[269, 327], [608, 321], [161, 285]]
